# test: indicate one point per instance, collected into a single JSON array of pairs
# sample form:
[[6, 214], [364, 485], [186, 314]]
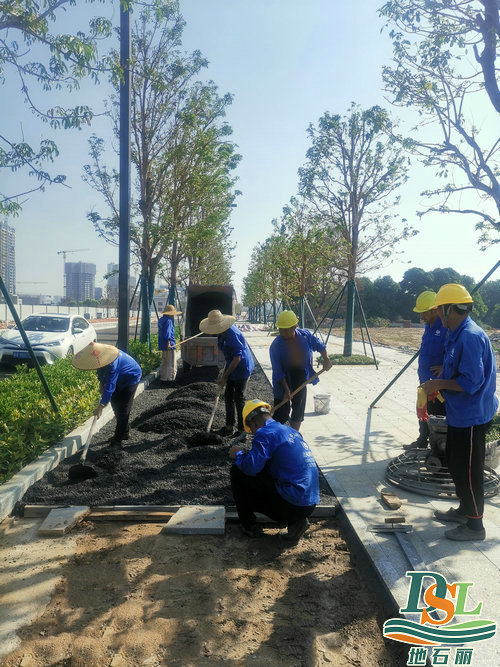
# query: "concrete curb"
[[13, 490]]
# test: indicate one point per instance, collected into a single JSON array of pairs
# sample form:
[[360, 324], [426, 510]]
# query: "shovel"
[[296, 391], [80, 472]]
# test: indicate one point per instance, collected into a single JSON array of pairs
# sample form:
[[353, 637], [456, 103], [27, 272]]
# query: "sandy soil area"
[[134, 596], [129, 595]]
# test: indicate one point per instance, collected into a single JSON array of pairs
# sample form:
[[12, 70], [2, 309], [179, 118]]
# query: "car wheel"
[[69, 353]]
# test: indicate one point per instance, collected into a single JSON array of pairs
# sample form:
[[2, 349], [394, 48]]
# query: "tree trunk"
[[349, 319]]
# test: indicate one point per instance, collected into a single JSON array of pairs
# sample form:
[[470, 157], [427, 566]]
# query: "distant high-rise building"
[[112, 281], [98, 293], [8, 256], [80, 280]]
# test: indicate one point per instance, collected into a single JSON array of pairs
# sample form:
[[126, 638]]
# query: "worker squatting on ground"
[[166, 343], [118, 374], [291, 361], [430, 359], [468, 383], [278, 477], [238, 368]]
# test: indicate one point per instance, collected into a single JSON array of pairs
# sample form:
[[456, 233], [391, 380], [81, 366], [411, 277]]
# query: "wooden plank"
[[62, 519], [158, 517], [40, 511]]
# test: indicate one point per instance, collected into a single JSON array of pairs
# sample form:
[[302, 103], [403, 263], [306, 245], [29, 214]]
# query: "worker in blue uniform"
[[239, 365], [291, 361], [166, 343], [468, 384], [430, 359], [278, 477], [118, 374]]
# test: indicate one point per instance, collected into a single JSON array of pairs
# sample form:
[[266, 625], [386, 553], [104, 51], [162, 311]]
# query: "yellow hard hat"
[[286, 319], [252, 405], [452, 293], [425, 302]]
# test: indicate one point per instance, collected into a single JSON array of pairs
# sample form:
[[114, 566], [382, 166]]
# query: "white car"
[[52, 336]]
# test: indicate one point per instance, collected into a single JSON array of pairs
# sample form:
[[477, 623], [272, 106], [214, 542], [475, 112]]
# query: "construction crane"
[[64, 253]]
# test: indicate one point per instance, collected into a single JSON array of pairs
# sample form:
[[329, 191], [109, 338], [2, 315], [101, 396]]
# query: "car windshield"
[[54, 324]]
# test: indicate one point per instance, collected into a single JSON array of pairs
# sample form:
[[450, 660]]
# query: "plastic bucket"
[[322, 403]]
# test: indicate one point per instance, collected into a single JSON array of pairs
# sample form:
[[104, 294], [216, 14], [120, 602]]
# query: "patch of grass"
[[353, 360]]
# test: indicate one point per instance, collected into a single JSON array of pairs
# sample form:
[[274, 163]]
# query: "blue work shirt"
[[280, 362], [232, 344], [469, 359], [284, 455], [123, 372], [431, 350], [166, 333]]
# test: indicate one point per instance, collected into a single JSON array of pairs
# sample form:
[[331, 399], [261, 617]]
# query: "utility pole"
[[124, 233]]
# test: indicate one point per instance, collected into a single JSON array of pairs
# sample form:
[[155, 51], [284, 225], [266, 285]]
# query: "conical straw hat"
[[216, 322], [94, 356], [170, 310]]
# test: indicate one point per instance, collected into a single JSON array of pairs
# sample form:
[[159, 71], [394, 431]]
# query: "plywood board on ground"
[[197, 520], [62, 519]]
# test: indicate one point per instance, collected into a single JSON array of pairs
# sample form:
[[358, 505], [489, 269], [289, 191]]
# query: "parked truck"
[[200, 300]]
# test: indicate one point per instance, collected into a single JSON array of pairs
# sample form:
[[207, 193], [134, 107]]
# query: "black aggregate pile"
[[169, 458]]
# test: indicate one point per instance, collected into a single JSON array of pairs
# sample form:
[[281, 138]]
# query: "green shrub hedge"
[[29, 425]]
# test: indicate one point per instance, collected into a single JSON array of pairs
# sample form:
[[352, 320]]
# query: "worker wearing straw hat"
[[238, 368], [166, 343], [118, 374]]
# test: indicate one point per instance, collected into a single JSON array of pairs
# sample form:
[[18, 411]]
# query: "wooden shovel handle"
[[191, 338], [210, 421], [296, 391], [89, 438]]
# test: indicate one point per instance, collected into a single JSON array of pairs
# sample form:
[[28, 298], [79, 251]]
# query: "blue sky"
[[286, 62]]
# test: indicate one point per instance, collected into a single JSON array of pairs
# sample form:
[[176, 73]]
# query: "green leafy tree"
[[180, 151], [434, 73], [353, 166], [42, 59]]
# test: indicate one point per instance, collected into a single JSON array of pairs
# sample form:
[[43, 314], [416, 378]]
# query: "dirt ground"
[[131, 595], [134, 596]]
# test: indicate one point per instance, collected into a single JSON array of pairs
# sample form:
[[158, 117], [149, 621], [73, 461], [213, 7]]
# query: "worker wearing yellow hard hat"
[[278, 477], [291, 361], [430, 359], [468, 384]]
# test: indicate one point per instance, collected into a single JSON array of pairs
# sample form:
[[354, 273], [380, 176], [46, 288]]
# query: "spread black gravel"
[[169, 458]]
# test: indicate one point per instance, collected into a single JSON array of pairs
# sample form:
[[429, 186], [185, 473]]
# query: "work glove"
[[422, 413]]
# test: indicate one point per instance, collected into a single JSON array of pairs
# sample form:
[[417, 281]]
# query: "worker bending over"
[[278, 477], [468, 383], [118, 374], [238, 368], [291, 361]]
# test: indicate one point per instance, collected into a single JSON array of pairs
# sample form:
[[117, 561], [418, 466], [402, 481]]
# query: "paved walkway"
[[353, 445]]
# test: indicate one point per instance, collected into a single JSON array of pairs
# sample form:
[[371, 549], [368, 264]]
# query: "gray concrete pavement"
[[353, 445]]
